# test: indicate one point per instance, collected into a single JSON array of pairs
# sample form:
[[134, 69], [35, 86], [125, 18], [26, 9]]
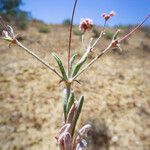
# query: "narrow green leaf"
[[61, 67], [79, 64], [10, 29], [70, 101], [79, 107], [66, 94], [72, 61], [115, 36], [71, 114]]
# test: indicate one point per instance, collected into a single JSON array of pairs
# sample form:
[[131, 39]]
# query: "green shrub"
[[146, 30], [122, 27], [96, 33], [22, 38], [66, 22], [77, 32], [44, 30], [21, 21], [109, 34], [11, 12]]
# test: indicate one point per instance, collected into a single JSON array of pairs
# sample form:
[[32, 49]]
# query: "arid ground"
[[116, 90]]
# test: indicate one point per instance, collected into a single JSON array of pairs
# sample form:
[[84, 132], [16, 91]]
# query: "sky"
[[55, 11]]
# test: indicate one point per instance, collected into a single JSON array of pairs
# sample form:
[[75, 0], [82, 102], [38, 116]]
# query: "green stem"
[[39, 59], [68, 91], [97, 39], [93, 61]]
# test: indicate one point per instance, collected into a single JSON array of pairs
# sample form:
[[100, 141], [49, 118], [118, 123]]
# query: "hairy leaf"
[[66, 94], [61, 67], [82, 145], [72, 61], [79, 107], [79, 64], [71, 114], [70, 101]]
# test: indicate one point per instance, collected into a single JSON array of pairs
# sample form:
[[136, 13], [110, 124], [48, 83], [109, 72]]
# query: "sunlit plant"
[[68, 137]]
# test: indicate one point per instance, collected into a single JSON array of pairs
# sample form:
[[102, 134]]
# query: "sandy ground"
[[116, 90]]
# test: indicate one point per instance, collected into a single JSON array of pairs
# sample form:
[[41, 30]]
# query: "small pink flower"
[[112, 13], [107, 16], [103, 14], [86, 24]]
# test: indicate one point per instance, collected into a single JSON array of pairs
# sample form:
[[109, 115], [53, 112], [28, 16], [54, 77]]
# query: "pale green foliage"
[[79, 108], [70, 101], [79, 65], [61, 67]]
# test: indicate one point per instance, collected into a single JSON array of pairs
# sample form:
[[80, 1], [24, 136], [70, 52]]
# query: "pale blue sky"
[[55, 11]]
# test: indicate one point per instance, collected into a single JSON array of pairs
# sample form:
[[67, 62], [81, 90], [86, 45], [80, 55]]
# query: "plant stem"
[[39, 59], [82, 37], [70, 36], [97, 39], [105, 50], [96, 58], [68, 90], [136, 28]]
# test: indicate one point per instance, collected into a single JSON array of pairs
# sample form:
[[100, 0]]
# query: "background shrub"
[[109, 34], [11, 12], [77, 32], [44, 29], [66, 22], [146, 30], [96, 32]]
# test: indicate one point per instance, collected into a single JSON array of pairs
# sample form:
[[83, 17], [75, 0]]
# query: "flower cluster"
[[108, 16], [86, 24]]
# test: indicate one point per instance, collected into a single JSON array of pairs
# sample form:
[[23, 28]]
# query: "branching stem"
[[39, 59], [97, 39], [95, 59], [136, 28]]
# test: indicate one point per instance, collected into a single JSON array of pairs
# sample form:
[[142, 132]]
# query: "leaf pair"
[[74, 70]]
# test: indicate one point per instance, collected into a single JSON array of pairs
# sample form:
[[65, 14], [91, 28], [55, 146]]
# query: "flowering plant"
[[67, 138]]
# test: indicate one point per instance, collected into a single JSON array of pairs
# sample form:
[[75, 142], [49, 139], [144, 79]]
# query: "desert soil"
[[116, 90]]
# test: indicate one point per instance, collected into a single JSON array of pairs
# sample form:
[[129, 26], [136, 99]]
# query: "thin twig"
[[100, 55], [39, 59], [136, 28], [82, 37], [97, 39], [109, 46], [95, 59], [102, 32]]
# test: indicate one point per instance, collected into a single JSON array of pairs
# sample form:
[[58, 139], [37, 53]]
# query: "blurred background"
[[116, 88]]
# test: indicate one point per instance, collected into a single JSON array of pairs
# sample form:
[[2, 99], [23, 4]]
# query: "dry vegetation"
[[116, 89]]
